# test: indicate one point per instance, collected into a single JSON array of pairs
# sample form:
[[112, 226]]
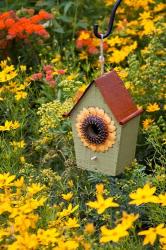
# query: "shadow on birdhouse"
[[105, 123]]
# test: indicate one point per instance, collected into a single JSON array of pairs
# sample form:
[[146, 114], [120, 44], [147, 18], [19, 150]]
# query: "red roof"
[[116, 96]]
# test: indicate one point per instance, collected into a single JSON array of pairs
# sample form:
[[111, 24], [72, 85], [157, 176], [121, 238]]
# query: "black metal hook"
[[110, 25]]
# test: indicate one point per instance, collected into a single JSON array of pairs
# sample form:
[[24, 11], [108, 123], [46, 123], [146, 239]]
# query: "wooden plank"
[[127, 144]]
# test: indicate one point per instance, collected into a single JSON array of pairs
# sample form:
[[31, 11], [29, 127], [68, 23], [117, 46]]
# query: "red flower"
[[79, 43], [61, 71], [49, 77], [37, 76], [93, 50], [47, 67], [52, 83]]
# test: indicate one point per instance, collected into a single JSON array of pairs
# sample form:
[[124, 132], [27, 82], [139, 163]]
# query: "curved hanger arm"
[[110, 25]]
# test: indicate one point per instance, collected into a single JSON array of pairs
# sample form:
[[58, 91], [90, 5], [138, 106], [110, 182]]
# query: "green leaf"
[[64, 19], [59, 30], [67, 7], [82, 25]]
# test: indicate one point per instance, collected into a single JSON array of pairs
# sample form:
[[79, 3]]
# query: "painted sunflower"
[[95, 129]]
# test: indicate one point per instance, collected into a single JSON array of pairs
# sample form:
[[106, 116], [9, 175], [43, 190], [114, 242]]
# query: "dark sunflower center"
[[94, 129]]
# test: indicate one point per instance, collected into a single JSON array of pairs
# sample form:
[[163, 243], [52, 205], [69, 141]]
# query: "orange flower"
[[21, 28]]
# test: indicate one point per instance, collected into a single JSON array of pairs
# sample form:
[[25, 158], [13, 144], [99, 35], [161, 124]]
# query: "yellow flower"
[[23, 68], [19, 87], [29, 222], [83, 55], [86, 246], [35, 188], [153, 107], [129, 85], [119, 55], [19, 183], [70, 183], [151, 234], [22, 159], [159, 7], [72, 223], [162, 199], [119, 41], [20, 95], [7, 73], [24, 241], [79, 93], [48, 236], [3, 233], [68, 211], [102, 204], [72, 76], [147, 123], [9, 125], [127, 220], [139, 3], [3, 63], [100, 188], [66, 245], [89, 228], [56, 59], [163, 242], [19, 144], [5, 204], [143, 195], [6, 180], [15, 125], [139, 106], [84, 35], [32, 204], [145, 15], [67, 196], [112, 234], [121, 72], [109, 2], [149, 27]]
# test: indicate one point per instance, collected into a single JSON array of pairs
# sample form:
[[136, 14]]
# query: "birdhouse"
[[105, 123]]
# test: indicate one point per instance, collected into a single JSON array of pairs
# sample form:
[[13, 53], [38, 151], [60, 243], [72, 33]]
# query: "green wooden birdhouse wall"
[[105, 124]]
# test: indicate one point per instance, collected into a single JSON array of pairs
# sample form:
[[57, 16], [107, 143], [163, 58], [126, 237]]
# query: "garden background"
[[48, 57]]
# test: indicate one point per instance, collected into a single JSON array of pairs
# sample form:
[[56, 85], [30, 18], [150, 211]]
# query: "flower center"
[[94, 129], [114, 234]]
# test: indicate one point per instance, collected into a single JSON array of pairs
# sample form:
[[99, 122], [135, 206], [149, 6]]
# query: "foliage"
[[57, 225], [55, 133]]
